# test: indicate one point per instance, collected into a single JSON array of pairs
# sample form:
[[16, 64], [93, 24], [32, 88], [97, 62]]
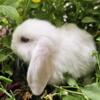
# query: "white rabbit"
[[52, 51]]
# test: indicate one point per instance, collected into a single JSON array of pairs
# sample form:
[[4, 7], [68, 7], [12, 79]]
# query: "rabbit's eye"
[[24, 39]]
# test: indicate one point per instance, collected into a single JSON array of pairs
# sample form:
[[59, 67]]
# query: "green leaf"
[[73, 97], [2, 1], [35, 6], [92, 91], [98, 39], [7, 69], [5, 21], [4, 54], [14, 3], [6, 41], [5, 79], [88, 20], [3, 57], [72, 82], [10, 12]]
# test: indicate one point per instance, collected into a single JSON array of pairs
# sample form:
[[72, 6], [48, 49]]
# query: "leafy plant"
[[3, 89]]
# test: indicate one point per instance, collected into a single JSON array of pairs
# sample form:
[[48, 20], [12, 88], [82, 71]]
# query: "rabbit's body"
[[52, 51], [74, 53]]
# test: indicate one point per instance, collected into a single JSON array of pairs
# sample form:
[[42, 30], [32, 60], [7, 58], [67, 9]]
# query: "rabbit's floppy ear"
[[40, 68]]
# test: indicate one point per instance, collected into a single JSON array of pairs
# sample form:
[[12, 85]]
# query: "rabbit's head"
[[26, 36], [31, 43]]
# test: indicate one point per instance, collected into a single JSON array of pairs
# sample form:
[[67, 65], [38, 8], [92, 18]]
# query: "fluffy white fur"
[[53, 51]]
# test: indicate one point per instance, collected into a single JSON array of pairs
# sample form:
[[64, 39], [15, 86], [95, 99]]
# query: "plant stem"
[[2, 89], [26, 8]]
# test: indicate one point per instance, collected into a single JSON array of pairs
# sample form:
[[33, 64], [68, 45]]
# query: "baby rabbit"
[[51, 52]]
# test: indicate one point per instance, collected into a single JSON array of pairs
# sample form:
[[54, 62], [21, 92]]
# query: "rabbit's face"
[[23, 42], [27, 34], [22, 45]]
